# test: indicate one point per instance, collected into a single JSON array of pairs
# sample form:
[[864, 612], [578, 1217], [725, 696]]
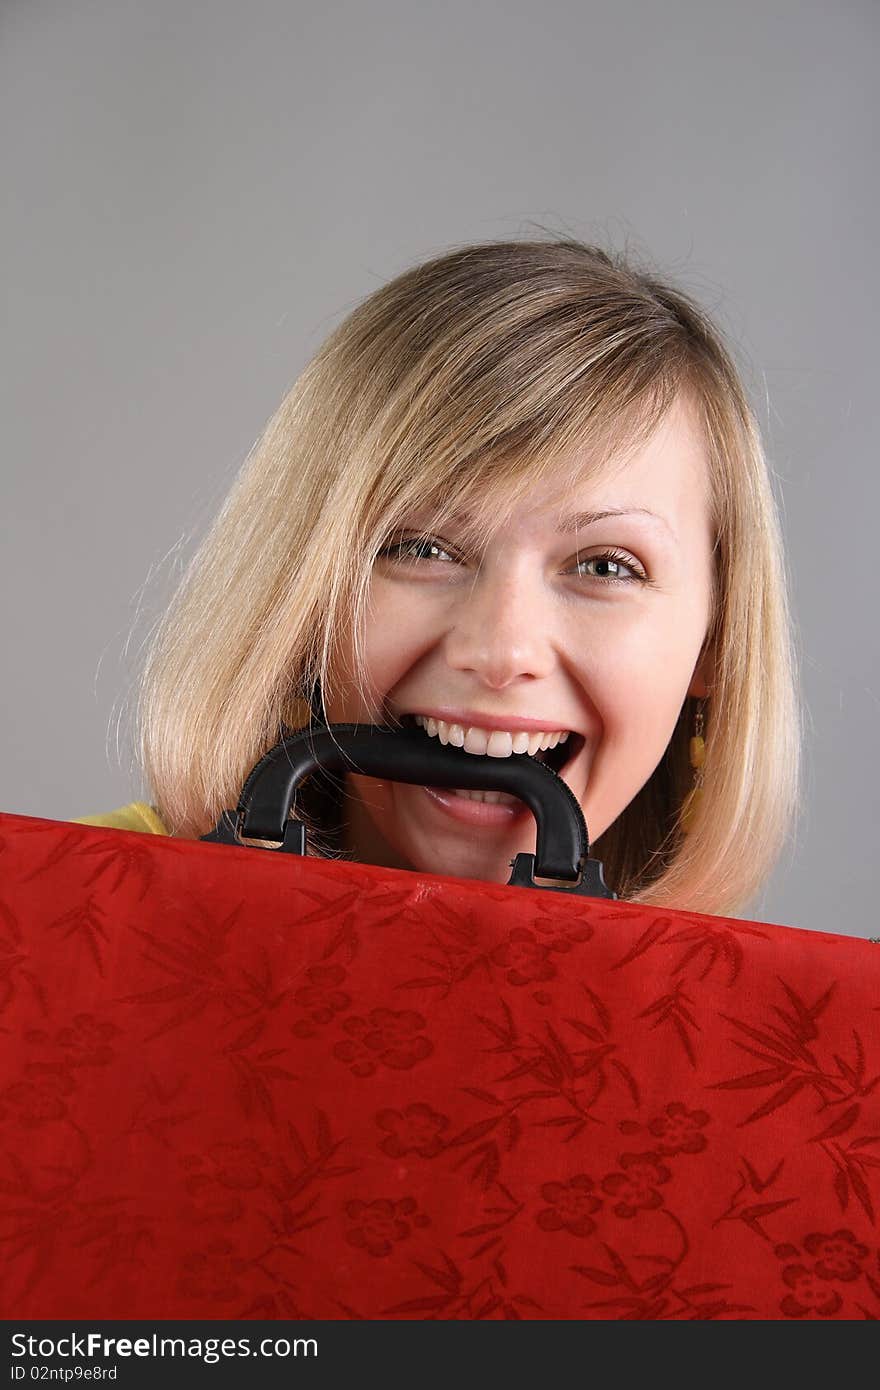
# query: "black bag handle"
[[407, 755]]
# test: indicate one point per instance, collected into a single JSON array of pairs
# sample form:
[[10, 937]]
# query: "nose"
[[501, 629]]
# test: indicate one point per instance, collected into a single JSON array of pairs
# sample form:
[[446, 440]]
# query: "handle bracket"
[[407, 755]]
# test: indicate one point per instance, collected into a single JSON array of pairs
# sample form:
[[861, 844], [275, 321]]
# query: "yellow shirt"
[[137, 815]]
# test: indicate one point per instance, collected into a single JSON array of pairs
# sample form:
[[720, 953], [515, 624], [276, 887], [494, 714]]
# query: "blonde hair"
[[461, 384]]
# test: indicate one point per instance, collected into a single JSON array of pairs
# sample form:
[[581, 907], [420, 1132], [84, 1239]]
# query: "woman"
[[518, 493]]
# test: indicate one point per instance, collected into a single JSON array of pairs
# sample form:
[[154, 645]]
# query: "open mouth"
[[557, 758]]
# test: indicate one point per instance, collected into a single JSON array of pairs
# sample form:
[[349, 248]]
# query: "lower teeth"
[[493, 798]]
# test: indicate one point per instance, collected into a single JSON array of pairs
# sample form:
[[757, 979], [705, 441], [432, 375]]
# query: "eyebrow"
[[580, 520]]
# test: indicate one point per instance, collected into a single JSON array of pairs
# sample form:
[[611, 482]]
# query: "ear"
[[704, 673]]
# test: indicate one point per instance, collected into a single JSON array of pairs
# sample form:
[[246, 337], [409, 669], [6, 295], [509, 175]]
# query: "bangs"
[[479, 491], [518, 373]]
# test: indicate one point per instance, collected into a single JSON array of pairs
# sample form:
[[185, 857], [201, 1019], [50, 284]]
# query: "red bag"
[[238, 1086]]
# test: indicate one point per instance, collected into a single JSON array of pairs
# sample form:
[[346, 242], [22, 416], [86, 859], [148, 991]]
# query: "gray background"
[[195, 193]]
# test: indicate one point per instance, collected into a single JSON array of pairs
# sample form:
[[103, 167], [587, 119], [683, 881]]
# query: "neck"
[[362, 838]]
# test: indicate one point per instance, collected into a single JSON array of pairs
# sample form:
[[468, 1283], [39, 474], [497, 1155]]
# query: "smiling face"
[[596, 629]]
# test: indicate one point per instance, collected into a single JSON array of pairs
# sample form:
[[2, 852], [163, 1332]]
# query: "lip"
[[507, 723], [485, 814]]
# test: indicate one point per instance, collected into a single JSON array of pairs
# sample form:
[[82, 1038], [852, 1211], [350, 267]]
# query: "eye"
[[618, 560], [407, 548]]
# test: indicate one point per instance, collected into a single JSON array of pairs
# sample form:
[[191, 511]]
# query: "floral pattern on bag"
[[241, 1086]]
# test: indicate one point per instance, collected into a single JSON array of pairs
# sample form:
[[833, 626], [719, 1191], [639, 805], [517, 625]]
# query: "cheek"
[[635, 684], [636, 677], [396, 636]]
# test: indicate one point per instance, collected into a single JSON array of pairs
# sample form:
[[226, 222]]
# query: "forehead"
[[665, 476], [661, 483]]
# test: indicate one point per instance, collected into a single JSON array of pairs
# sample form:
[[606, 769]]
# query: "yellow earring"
[[697, 751]]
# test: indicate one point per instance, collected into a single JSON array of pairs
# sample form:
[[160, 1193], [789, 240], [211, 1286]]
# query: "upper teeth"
[[497, 743]]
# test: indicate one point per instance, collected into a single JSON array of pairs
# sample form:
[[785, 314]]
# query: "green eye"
[[405, 547], [616, 558]]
